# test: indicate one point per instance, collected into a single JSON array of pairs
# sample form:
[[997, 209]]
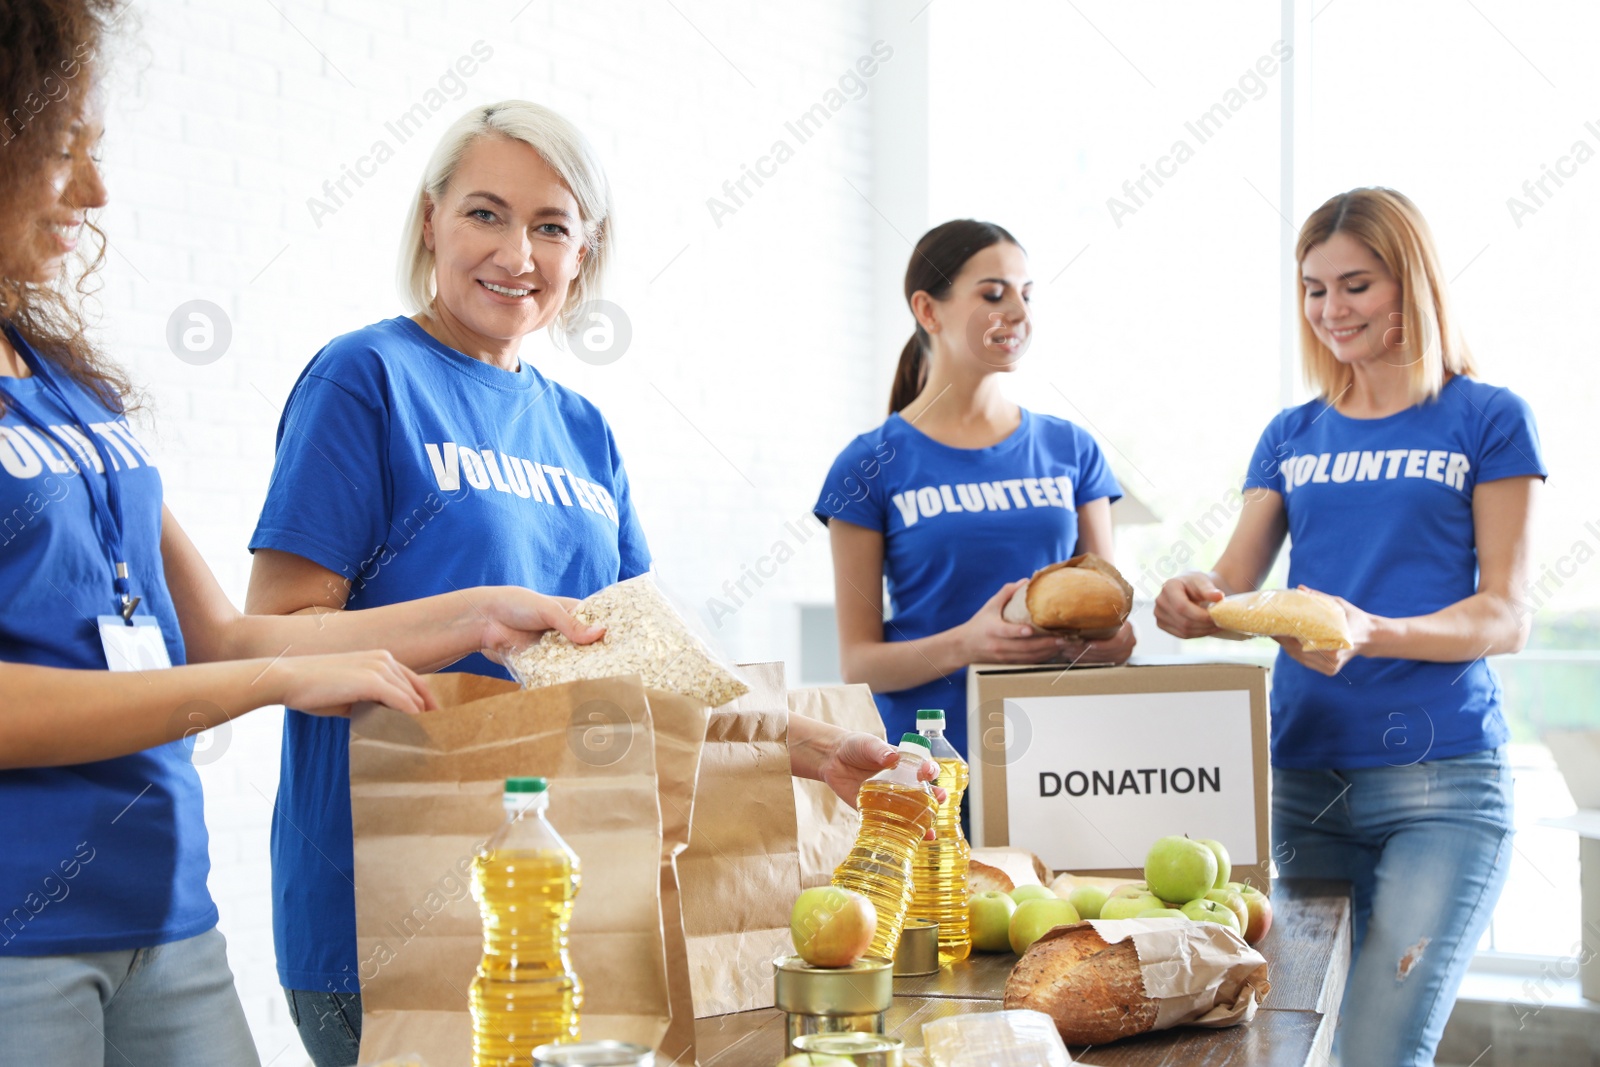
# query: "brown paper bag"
[[741, 872], [827, 826], [425, 794]]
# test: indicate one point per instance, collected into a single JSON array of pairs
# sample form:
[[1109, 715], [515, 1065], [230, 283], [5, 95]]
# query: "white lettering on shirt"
[[954, 498], [1436, 465]]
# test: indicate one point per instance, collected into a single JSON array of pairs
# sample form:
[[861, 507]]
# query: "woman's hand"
[[988, 638], [329, 685], [514, 618], [1181, 607], [855, 757], [1114, 649], [1363, 627]]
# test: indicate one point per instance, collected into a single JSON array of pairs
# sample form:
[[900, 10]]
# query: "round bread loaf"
[[1092, 990], [1084, 596]]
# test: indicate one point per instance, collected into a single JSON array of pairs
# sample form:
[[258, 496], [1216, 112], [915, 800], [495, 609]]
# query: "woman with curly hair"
[[109, 950]]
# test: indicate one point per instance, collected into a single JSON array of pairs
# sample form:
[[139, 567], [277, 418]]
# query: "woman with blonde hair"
[[422, 454], [1406, 489]]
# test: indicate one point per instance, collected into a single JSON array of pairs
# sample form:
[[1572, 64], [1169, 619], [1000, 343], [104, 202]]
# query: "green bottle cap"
[[917, 739], [927, 714], [526, 785]]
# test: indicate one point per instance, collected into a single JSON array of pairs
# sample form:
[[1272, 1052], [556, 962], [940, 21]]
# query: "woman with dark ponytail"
[[960, 495]]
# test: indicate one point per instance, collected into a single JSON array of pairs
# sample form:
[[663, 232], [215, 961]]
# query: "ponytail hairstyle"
[[1390, 225], [935, 262]]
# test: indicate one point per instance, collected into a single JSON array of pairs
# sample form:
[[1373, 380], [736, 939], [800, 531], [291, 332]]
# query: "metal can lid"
[[847, 1044], [594, 1054], [866, 987]]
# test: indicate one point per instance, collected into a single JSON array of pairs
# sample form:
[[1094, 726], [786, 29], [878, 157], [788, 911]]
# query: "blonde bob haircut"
[[1394, 230], [567, 152]]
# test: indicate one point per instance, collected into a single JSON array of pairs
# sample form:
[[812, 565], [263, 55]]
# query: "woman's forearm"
[[51, 717], [424, 634], [1484, 624], [890, 666]]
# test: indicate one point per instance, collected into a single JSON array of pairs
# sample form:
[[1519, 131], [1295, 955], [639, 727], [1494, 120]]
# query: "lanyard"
[[107, 504]]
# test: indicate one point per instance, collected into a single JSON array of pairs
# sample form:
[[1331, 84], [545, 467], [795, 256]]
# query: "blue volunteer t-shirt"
[[957, 524], [412, 469], [1380, 513], [112, 855]]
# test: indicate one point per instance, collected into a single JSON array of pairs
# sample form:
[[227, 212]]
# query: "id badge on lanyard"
[[131, 641]]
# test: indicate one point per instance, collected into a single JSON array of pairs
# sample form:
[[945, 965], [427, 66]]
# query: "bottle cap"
[[526, 785], [916, 739], [930, 717]]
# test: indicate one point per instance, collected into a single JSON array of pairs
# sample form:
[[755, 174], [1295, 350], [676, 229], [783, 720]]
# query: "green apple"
[[1259, 906], [1088, 899], [832, 927], [1180, 868], [990, 916], [1025, 893], [1162, 913], [1224, 864], [1235, 902], [1128, 907], [1034, 918], [1209, 911], [1132, 889]]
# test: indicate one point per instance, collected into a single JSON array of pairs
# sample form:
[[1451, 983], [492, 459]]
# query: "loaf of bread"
[[1095, 990], [982, 878], [1315, 619], [1084, 596]]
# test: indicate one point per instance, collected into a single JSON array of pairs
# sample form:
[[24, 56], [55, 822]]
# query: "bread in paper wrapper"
[[644, 635], [1104, 980], [1314, 619]]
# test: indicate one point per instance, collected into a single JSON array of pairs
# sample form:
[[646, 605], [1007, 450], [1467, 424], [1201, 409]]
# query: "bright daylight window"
[[1153, 220]]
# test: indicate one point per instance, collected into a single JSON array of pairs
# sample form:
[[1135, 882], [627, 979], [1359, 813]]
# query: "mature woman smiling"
[[423, 453]]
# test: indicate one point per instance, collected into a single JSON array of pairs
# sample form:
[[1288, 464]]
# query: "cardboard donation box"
[[1087, 767]]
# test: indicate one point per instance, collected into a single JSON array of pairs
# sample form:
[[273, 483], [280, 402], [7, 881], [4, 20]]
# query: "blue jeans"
[[1427, 848], [329, 1025], [173, 1005]]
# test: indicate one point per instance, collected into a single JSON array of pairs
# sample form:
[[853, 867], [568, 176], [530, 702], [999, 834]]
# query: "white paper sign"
[[1100, 777]]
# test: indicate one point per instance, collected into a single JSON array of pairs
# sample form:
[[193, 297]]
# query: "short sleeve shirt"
[[1380, 513], [959, 523]]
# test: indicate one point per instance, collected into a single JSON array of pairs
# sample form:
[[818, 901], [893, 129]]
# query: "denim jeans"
[[173, 1005], [329, 1025], [1427, 848]]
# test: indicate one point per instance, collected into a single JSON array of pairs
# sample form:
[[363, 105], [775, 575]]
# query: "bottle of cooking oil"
[[524, 879], [896, 811], [939, 872]]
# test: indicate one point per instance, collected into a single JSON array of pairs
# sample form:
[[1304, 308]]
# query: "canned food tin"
[[594, 1054], [863, 1050], [830, 1000], [919, 949]]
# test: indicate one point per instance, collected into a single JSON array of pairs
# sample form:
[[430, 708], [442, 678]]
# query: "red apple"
[[832, 927], [1259, 907]]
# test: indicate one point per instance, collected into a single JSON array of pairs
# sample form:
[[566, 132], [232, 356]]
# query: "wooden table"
[[1308, 955]]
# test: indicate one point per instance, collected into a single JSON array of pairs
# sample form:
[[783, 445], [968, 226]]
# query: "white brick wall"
[[225, 119]]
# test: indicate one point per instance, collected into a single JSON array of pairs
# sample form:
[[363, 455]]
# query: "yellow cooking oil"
[[525, 993], [939, 870], [896, 811]]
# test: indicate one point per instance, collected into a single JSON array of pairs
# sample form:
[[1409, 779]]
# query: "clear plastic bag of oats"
[[645, 635]]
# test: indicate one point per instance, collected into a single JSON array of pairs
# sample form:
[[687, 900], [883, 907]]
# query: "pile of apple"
[[1188, 878], [1184, 878]]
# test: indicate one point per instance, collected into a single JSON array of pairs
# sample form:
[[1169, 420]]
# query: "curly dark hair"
[[51, 53]]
